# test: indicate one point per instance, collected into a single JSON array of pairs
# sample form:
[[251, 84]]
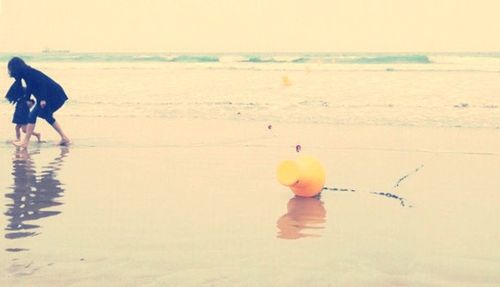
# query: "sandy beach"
[[181, 114], [160, 202]]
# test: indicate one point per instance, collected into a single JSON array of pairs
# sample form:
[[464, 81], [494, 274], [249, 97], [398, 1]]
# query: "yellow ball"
[[305, 176]]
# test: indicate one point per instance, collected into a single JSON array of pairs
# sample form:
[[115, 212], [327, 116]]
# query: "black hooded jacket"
[[43, 87]]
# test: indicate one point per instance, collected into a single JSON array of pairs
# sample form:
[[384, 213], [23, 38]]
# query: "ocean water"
[[423, 90]]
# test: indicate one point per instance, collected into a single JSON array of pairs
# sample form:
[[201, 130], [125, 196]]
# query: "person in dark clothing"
[[49, 95], [17, 96]]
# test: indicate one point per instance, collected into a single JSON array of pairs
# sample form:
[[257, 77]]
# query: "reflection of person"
[[32, 194], [303, 213], [16, 95], [49, 95]]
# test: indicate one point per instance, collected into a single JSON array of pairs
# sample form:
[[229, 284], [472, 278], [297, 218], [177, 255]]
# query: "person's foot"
[[64, 142], [38, 137], [20, 144]]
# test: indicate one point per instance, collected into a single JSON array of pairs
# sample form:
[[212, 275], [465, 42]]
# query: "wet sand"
[[157, 202]]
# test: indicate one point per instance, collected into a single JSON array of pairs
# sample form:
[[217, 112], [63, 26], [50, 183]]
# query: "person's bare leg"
[[38, 136], [18, 132], [64, 139], [29, 131]]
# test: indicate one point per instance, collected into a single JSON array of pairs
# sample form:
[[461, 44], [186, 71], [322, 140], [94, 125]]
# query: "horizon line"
[[62, 51]]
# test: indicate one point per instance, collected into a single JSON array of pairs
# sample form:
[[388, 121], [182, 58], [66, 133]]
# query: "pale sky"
[[250, 25]]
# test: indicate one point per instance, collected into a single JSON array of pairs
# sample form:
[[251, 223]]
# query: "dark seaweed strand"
[[407, 175], [385, 194]]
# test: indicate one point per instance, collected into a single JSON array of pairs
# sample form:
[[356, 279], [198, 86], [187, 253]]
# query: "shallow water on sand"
[[305, 94], [201, 206]]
